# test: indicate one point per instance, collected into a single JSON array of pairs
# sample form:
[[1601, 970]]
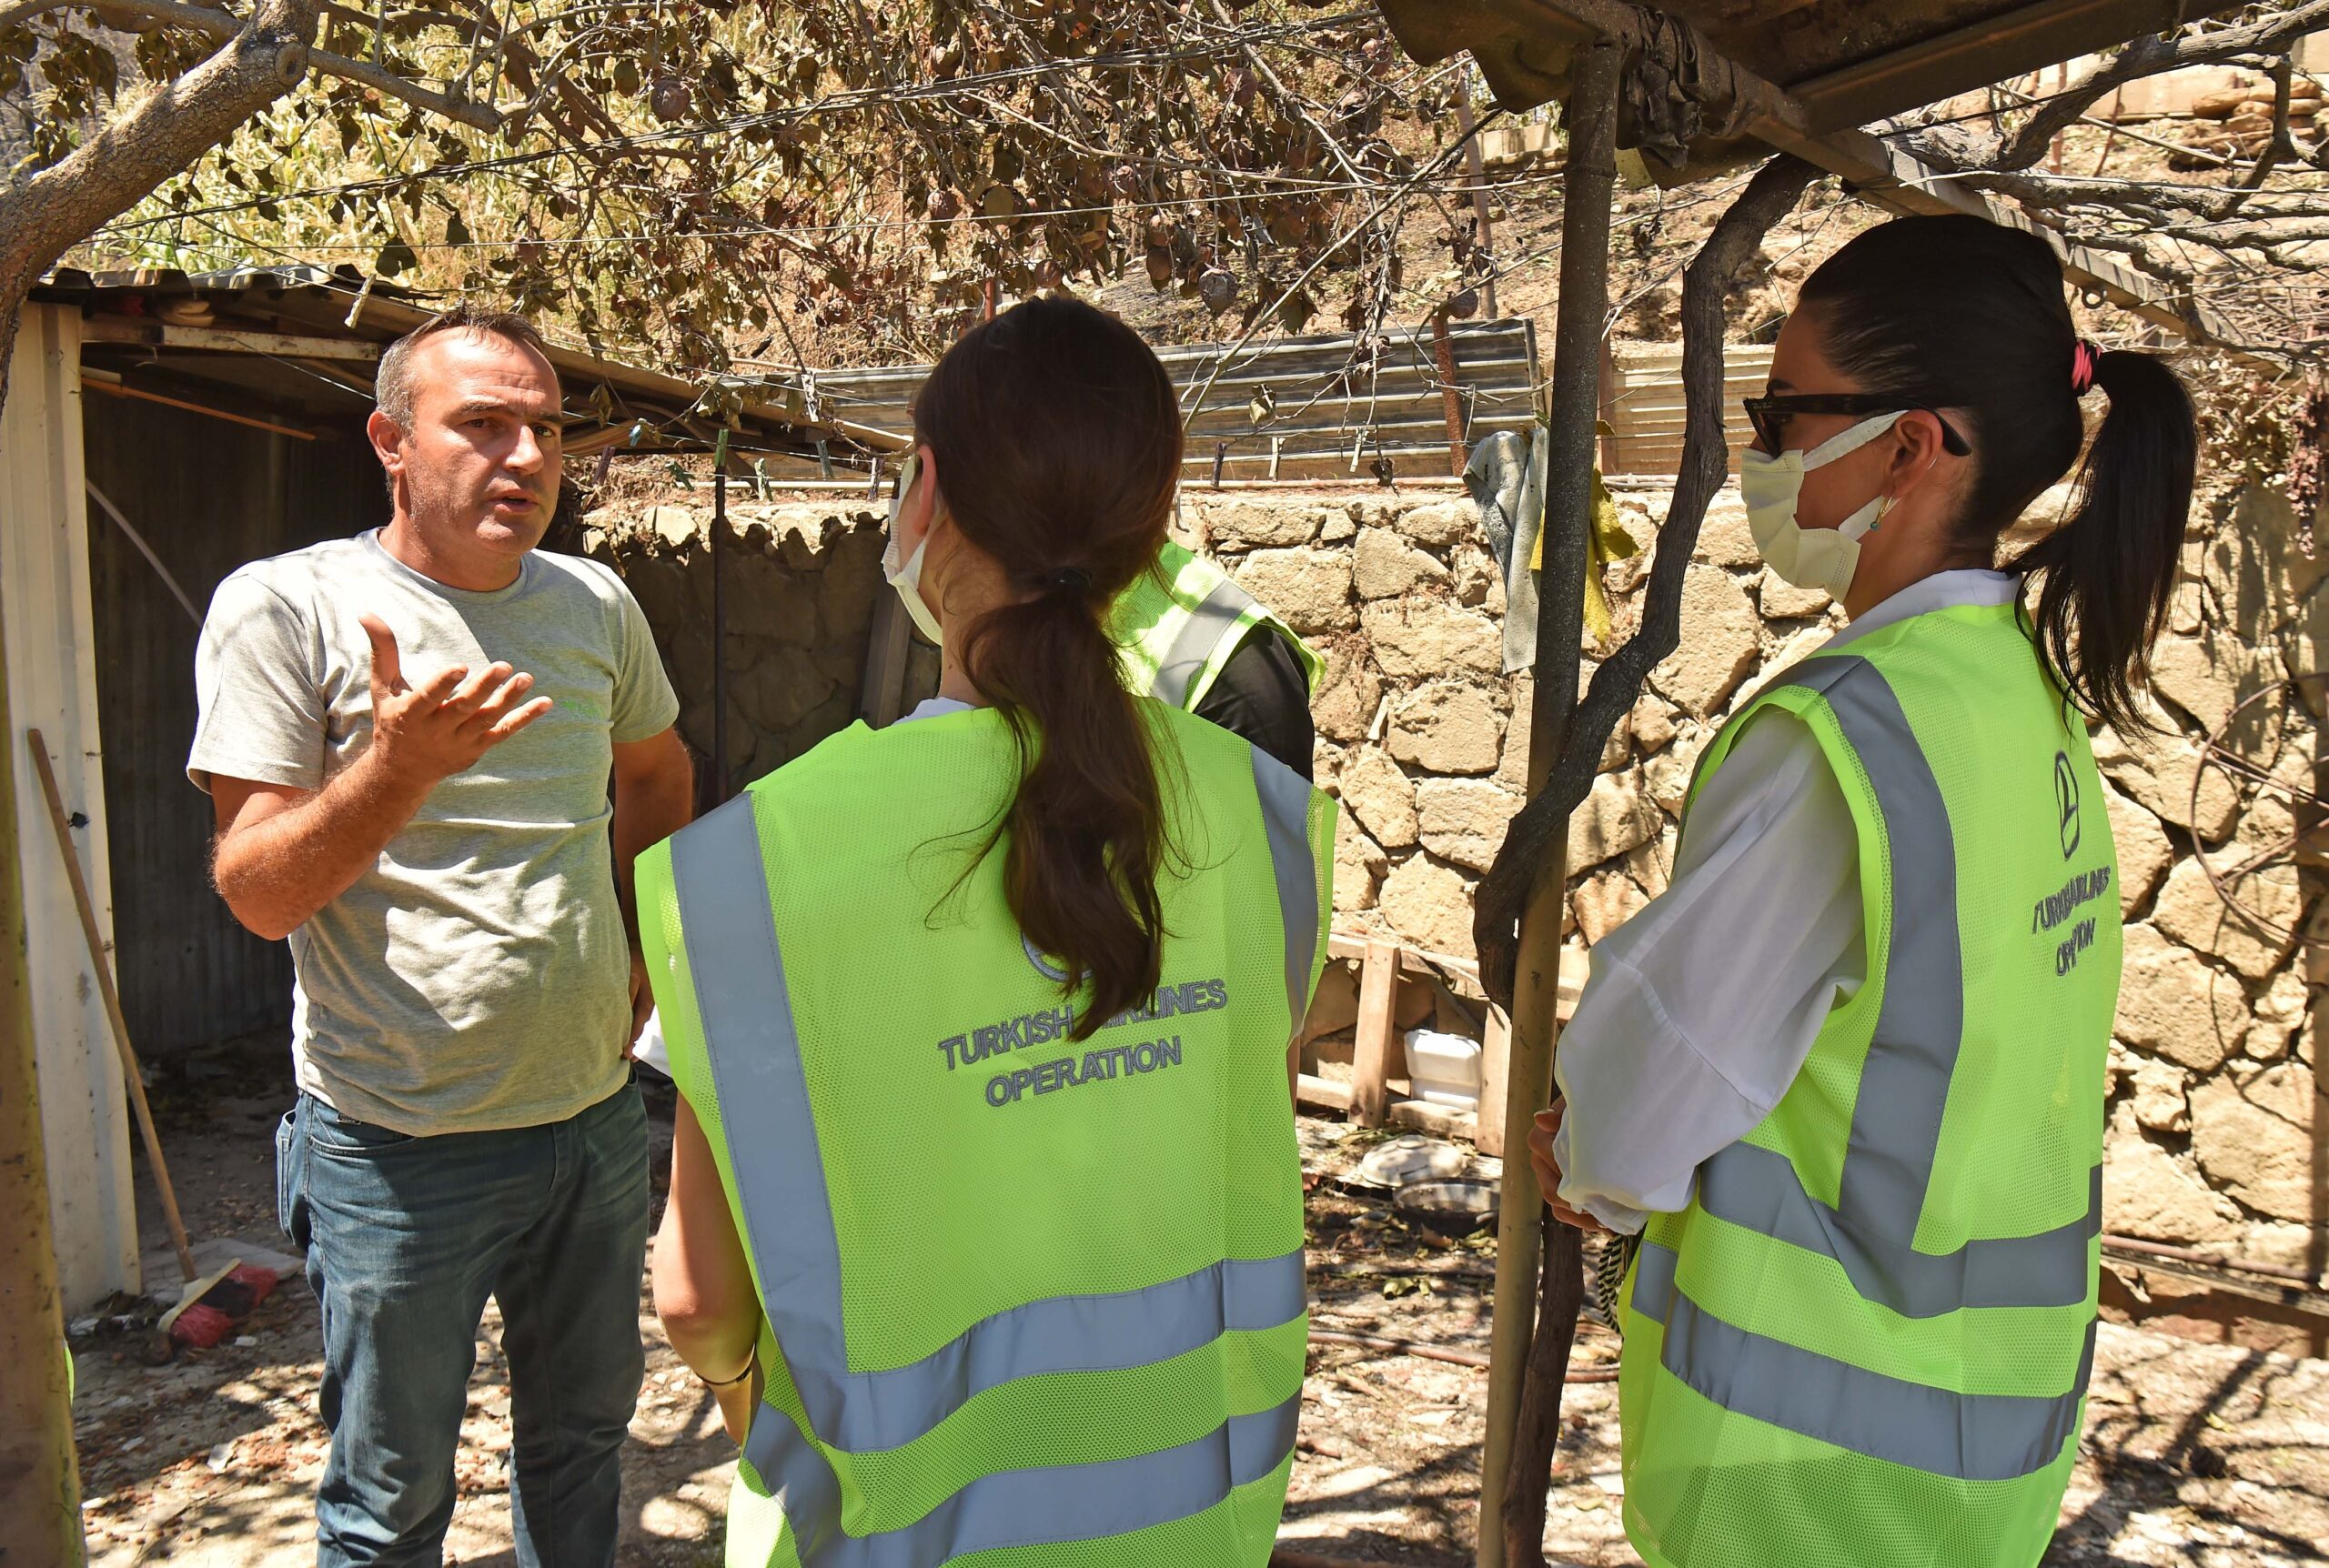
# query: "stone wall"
[[2215, 1132], [801, 580]]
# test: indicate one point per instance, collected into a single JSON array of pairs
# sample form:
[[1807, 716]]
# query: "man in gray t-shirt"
[[434, 753]]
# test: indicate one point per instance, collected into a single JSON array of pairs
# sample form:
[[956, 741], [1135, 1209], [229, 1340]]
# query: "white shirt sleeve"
[[649, 1048], [1699, 1011]]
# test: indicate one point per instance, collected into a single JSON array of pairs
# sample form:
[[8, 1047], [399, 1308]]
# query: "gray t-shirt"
[[478, 976]]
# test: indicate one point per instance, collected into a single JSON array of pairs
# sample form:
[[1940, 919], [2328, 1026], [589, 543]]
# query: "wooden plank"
[[51, 684], [1440, 1121], [147, 332], [1324, 1092], [1378, 984], [1496, 1051]]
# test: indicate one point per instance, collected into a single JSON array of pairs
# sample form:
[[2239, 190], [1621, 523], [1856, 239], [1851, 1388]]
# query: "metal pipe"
[[1583, 319], [146, 551], [2193, 1255], [719, 636], [1451, 400]]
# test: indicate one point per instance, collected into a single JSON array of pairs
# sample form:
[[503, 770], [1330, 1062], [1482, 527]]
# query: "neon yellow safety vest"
[[1866, 1342], [1179, 622], [1022, 1293]]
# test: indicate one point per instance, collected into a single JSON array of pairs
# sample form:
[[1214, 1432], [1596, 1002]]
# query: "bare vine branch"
[[1533, 833]]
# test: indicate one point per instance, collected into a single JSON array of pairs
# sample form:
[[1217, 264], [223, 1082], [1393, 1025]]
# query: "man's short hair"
[[392, 387]]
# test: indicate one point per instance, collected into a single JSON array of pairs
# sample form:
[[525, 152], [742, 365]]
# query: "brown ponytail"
[[1057, 436]]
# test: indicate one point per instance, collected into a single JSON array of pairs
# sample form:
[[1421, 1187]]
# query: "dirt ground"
[[2205, 1455]]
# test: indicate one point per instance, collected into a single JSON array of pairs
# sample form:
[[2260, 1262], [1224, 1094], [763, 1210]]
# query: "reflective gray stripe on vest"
[[1889, 1161], [1041, 1506], [1761, 1190], [746, 1012], [1215, 617], [1967, 1436], [1286, 815], [1904, 1084]]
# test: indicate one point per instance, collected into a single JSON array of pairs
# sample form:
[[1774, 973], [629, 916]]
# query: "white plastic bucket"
[[1445, 1069]]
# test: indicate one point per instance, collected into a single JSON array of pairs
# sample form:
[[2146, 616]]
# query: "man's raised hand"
[[445, 725]]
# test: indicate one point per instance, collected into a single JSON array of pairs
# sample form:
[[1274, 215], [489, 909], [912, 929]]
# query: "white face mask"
[[1809, 557], [907, 577]]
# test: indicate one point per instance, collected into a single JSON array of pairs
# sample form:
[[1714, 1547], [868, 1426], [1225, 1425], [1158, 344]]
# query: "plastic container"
[[1445, 1069]]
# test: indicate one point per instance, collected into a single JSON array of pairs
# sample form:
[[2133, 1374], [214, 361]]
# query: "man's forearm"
[[274, 873]]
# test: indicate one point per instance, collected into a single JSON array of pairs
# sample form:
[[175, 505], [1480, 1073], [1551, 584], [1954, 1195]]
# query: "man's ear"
[[387, 442]]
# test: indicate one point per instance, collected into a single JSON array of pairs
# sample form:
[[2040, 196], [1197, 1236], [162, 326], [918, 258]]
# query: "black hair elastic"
[[1069, 579]]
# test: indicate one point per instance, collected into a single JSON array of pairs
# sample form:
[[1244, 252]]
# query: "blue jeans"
[[405, 1238]]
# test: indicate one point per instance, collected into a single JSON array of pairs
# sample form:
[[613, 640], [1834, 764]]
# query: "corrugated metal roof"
[[1323, 406], [1644, 405], [300, 342]]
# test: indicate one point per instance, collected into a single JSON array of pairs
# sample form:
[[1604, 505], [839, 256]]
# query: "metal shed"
[[161, 430]]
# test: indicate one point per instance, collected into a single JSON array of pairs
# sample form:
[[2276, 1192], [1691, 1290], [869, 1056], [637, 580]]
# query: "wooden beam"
[[1993, 50], [1898, 181], [114, 388], [391, 315], [1902, 183], [1323, 1092], [1378, 985], [1496, 1065], [1440, 1121], [145, 332], [889, 646], [1420, 962]]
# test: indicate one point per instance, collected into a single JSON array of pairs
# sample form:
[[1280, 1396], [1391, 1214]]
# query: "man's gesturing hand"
[[438, 729]]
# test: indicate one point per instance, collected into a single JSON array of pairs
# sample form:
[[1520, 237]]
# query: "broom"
[[209, 1307]]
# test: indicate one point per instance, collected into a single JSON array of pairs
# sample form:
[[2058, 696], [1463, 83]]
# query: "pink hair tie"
[[2082, 357]]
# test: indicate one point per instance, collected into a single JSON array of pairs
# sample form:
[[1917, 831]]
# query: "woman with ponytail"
[[1840, 1090], [985, 1225]]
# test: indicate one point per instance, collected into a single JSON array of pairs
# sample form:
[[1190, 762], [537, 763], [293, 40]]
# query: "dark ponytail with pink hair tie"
[[2082, 361], [1959, 314]]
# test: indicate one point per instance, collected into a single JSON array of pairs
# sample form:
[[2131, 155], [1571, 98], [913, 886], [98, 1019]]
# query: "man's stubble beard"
[[441, 516]]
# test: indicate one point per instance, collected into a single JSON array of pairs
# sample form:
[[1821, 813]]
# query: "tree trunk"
[[40, 1487], [42, 216]]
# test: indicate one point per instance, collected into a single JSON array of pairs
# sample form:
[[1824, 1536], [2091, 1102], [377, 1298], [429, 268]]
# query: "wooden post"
[[40, 1482], [1378, 991], [1495, 1054], [111, 995], [1478, 172], [1522, 1239], [722, 774]]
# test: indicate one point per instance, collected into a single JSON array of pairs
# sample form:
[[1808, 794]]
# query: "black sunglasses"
[[1769, 414]]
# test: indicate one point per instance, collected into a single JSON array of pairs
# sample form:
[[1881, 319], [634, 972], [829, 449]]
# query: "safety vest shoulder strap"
[[1179, 622]]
